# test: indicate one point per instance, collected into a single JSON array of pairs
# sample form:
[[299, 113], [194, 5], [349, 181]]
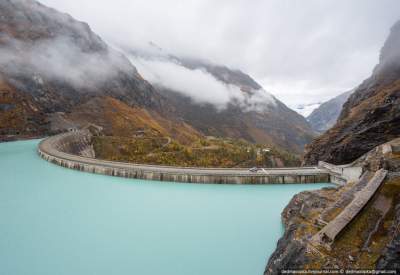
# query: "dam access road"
[[74, 150]]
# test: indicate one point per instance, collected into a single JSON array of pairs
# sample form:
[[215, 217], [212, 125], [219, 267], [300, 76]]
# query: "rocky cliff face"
[[326, 115], [370, 117]]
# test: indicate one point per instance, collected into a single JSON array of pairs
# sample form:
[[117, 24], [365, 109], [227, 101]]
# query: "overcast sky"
[[302, 51]]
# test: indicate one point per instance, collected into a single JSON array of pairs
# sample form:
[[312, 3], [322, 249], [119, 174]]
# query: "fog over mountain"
[[306, 109], [56, 74], [168, 71], [301, 51], [60, 58], [220, 101]]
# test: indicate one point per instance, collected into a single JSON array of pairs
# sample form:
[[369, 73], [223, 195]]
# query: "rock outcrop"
[[291, 251], [370, 241], [371, 115]]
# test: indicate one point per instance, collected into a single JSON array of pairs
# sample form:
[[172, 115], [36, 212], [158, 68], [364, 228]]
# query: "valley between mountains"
[[57, 75]]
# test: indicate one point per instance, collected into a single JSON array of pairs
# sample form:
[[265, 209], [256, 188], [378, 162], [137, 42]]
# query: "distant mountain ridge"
[[326, 115]]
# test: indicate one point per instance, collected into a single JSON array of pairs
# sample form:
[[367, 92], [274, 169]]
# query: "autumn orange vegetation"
[[204, 152]]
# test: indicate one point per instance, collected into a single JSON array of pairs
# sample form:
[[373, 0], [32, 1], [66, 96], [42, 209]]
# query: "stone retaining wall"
[[70, 150]]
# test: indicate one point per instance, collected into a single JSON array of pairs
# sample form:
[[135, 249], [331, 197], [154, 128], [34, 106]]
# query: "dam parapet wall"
[[74, 150], [341, 174]]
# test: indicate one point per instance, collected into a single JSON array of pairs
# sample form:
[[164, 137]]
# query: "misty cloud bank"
[[301, 51], [61, 59], [201, 86]]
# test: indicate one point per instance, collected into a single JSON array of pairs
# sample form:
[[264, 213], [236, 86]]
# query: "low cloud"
[[301, 51], [201, 86], [65, 60], [61, 59]]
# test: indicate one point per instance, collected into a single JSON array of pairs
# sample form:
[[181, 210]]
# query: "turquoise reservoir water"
[[59, 221]]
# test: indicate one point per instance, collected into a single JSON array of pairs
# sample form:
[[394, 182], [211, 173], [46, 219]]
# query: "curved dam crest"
[[74, 150]]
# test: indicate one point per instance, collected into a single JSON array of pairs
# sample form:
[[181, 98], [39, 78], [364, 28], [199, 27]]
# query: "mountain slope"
[[56, 74], [326, 115], [250, 112], [52, 65], [122, 120], [371, 116]]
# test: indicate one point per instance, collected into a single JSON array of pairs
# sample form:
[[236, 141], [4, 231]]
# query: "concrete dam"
[[74, 150]]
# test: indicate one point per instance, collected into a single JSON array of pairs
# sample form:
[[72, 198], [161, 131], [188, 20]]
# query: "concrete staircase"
[[328, 234]]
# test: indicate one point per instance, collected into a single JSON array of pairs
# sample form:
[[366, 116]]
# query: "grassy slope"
[[203, 152]]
